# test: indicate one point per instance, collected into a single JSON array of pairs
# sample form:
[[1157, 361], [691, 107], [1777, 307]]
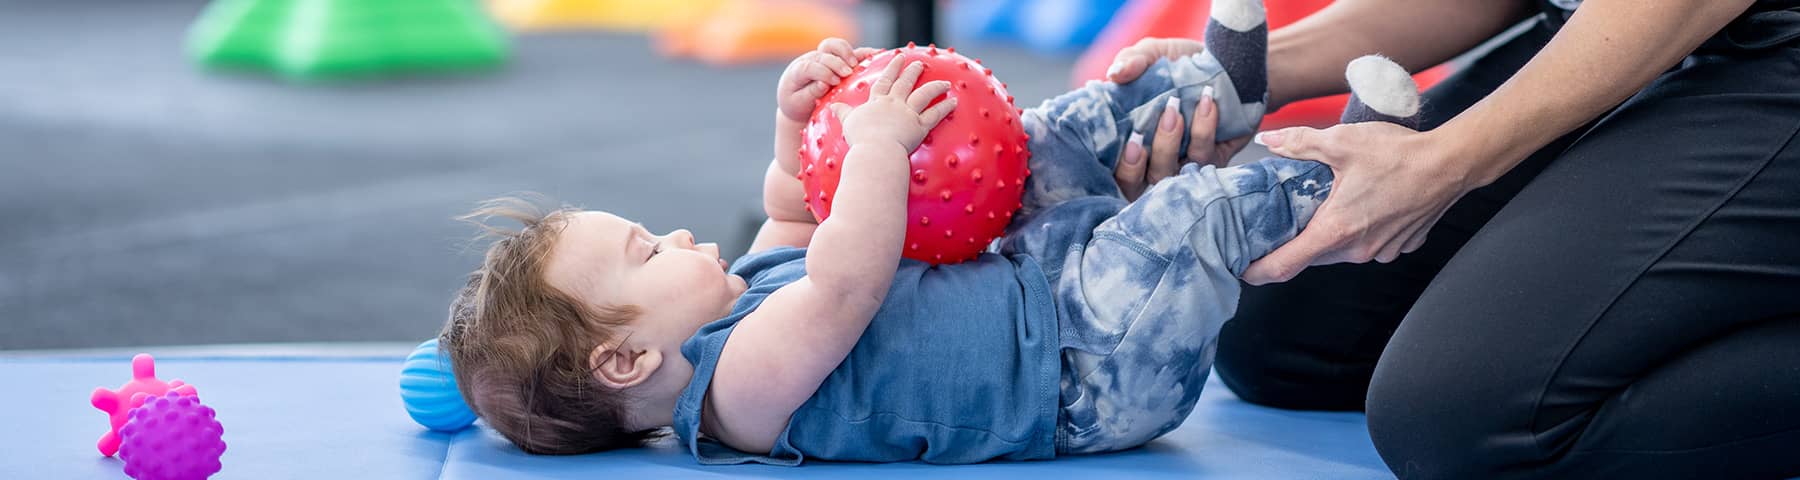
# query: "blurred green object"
[[321, 39]]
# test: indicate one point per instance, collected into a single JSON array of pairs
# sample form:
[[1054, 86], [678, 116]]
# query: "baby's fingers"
[[837, 65], [865, 52], [837, 47], [840, 110], [885, 83], [909, 78], [819, 71], [922, 97], [930, 117]]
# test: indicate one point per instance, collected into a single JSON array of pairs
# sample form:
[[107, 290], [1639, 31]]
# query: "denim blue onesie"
[[1091, 329]]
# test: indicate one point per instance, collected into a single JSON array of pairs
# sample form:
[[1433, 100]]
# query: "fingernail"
[[1170, 114], [1114, 69], [1134, 151], [1207, 91], [1206, 102], [1270, 139]]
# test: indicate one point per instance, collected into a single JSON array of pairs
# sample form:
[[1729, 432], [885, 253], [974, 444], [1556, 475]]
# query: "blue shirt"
[[959, 365]]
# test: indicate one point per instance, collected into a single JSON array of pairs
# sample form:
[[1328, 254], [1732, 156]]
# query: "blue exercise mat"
[[302, 416]]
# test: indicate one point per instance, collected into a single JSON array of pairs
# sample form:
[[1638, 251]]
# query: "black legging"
[[1626, 302]]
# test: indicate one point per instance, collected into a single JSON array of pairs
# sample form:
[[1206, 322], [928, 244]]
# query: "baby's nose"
[[682, 238]]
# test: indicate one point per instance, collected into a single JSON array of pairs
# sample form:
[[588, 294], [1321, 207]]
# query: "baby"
[[1090, 327]]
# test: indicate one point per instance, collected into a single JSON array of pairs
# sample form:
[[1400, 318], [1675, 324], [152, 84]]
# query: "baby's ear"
[[622, 366]]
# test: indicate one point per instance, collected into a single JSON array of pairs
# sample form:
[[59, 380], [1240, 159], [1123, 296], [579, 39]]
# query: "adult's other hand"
[[1392, 184], [1137, 170], [1133, 60]]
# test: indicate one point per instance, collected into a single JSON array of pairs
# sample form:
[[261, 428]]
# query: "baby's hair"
[[519, 347]]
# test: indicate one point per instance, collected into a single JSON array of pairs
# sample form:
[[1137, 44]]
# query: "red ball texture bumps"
[[968, 175]]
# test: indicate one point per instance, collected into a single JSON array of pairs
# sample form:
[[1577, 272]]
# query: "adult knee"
[[1429, 421]]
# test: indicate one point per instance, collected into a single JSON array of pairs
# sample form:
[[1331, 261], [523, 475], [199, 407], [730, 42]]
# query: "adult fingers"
[[1391, 248], [909, 77], [922, 97], [1129, 171], [1284, 263], [1417, 239], [1130, 62], [885, 82], [1165, 155], [1222, 152], [1300, 143], [1203, 130], [936, 113]]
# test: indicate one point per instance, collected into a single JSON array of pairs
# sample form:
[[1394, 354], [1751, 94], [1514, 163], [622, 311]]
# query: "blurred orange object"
[[1187, 19], [632, 15], [744, 31]]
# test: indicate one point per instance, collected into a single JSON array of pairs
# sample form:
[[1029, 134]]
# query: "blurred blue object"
[[429, 391], [1048, 26]]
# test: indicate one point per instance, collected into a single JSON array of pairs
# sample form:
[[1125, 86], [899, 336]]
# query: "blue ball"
[[429, 391]]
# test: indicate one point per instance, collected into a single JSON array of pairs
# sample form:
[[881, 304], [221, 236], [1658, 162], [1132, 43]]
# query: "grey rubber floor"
[[144, 202]]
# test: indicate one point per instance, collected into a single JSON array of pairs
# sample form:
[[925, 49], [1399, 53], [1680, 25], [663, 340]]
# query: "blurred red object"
[[1187, 19]]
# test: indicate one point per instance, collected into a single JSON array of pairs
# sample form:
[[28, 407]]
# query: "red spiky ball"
[[968, 174]]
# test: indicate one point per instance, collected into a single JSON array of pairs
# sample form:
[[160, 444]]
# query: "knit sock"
[[1381, 91], [1238, 35]]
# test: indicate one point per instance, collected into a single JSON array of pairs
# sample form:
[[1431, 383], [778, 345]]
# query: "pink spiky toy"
[[118, 403]]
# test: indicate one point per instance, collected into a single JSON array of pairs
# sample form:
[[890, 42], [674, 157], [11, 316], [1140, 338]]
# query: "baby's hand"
[[814, 72], [895, 111]]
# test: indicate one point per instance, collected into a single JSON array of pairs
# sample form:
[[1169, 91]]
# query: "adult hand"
[[1131, 62], [1136, 171], [1392, 185]]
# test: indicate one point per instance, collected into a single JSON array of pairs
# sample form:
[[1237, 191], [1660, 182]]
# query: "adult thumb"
[[1284, 263], [1300, 143]]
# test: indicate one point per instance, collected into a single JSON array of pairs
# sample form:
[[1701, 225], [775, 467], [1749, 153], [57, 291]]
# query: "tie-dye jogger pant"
[[1143, 288]]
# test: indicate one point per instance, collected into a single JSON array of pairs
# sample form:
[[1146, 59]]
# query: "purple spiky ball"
[[171, 437]]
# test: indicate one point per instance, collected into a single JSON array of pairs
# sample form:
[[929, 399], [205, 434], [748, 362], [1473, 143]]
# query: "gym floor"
[[146, 202]]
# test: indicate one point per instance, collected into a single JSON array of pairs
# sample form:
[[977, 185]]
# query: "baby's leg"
[[1076, 137], [1144, 299]]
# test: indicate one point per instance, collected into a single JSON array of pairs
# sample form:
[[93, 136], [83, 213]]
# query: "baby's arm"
[[801, 85], [777, 356], [789, 223]]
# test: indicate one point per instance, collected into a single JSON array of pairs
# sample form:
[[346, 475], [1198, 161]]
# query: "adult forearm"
[[1608, 51], [1307, 58]]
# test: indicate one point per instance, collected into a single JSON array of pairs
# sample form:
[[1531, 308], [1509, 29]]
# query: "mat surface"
[[301, 416]]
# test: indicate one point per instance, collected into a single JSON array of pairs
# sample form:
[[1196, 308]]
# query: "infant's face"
[[602, 259]]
